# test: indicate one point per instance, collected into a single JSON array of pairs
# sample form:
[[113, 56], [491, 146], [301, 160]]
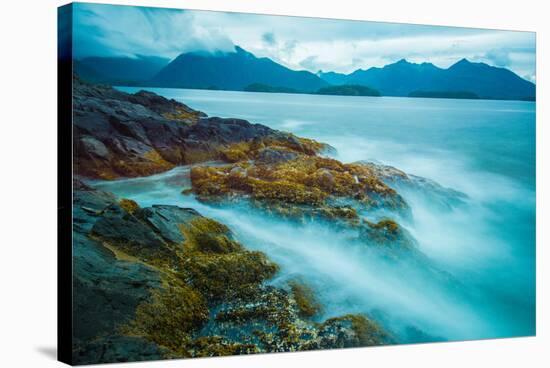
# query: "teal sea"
[[483, 148]]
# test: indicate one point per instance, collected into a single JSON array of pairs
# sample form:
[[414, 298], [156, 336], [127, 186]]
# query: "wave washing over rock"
[[247, 240]]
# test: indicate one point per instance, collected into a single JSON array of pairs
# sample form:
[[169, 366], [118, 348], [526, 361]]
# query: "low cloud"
[[269, 39], [289, 47], [499, 57], [310, 63], [310, 43], [105, 30]]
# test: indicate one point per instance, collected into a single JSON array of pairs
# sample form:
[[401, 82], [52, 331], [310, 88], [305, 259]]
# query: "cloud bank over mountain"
[[296, 42], [134, 31]]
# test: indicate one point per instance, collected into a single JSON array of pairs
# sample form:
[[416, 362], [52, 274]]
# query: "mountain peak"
[[243, 53], [400, 63], [239, 49], [233, 71], [406, 64], [462, 62], [403, 77]]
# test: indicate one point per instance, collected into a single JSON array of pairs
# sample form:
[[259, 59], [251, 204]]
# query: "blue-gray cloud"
[[310, 63], [499, 57], [269, 39], [109, 30], [309, 43]]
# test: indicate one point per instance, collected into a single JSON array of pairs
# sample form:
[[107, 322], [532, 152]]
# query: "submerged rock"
[[436, 194], [351, 331], [307, 303], [388, 235]]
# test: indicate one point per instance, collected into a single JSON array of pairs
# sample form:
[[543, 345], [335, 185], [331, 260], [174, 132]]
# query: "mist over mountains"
[[120, 70], [240, 69]]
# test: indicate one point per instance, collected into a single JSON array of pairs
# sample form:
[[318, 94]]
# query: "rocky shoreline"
[[166, 282]]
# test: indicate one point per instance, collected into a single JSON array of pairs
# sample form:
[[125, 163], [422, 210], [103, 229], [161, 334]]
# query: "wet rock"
[[326, 180], [385, 172], [274, 156], [442, 197], [351, 331], [118, 134], [118, 226], [164, 276], [106, 290], [117, 349], [165, 221], [129, 135], [387, 234], [306, 302], [238, 171], [94, 147], [434, 193], [305, 186]]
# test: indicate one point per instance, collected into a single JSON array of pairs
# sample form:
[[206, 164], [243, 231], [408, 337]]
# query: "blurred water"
[[485, 149]]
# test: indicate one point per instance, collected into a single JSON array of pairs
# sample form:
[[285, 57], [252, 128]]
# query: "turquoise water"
[[485, 149]]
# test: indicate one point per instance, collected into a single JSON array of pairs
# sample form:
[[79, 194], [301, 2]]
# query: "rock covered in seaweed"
[[388, 235], [106, 290], [181, 285], [306, 185], [117, 134]]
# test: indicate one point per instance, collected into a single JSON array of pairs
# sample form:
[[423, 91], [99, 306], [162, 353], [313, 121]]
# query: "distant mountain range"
[[232, 71], [404, 78], [120, 70], [240, 70]]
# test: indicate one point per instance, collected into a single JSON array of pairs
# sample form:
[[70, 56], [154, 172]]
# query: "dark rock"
[[117, 349], [166, 276], [165, 221], [274, 156], [148, 233], [118, 134], [118, 226], [106, 291]]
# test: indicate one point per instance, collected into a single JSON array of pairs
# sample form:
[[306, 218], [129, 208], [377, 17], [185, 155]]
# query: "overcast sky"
[[299, 43]]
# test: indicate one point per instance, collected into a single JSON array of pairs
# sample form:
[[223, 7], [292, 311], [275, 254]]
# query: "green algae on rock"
[[199, 291], [202, 292], [366, 332], [117, 134], [170, 318], [307, 184], [307, 303]]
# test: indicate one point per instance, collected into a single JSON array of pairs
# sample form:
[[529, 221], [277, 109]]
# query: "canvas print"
[[244, 183]]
